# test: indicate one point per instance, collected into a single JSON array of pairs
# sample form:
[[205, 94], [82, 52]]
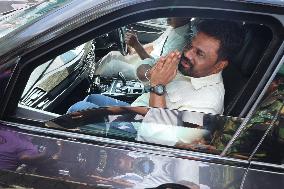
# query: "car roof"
[[267, 2], [71, 13], [45, 24]]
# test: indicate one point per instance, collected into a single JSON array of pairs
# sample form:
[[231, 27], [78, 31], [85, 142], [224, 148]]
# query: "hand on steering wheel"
[[121, 41], [131, 38]]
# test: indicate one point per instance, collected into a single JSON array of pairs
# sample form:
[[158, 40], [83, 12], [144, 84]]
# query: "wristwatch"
[[158, 89]]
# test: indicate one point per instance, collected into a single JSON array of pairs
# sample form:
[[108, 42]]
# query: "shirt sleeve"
[[142, 100], [158, 43]]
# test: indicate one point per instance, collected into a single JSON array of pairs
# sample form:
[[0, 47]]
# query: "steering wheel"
[[120, 40]]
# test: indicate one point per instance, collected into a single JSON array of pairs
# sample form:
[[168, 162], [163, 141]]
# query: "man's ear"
[[222, 64]]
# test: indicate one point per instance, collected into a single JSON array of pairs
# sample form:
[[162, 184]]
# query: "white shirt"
[[172, 39], [205, 94]]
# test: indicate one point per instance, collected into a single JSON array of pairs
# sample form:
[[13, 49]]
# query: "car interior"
[[78, 73]]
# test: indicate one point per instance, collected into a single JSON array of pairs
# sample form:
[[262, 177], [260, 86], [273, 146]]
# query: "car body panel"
[[85, 163], [267, 176]]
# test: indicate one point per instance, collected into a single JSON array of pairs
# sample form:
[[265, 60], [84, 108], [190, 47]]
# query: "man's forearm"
[[157, 101], [143, 54]]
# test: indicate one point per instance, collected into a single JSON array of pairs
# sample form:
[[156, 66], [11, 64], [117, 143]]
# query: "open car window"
[[98, 67], [68, 78]]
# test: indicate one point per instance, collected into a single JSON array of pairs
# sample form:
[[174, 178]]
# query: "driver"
[[173, 38], [191, 79]]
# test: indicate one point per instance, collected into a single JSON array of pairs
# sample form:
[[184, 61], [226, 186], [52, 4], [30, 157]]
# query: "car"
[[49, 58]]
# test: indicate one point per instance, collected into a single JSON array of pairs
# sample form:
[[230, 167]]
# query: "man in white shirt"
[[204, 94], [174, 38], [192, 80]]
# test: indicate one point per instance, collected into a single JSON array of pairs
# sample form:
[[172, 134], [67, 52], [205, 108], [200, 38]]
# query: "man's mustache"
[[186, 60]]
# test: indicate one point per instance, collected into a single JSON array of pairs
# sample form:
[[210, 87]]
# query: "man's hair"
[[229, 33]]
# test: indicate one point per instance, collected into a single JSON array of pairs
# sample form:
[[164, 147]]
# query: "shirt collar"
[[200, 82]]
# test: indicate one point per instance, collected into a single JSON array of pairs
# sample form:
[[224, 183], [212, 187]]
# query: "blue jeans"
[[96, 101]]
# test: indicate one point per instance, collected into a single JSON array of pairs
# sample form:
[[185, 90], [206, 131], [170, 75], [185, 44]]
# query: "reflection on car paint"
[[106, 166], [181, 129], [11, 22]]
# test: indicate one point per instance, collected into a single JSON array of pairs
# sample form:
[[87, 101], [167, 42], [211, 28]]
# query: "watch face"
[[158, 89]]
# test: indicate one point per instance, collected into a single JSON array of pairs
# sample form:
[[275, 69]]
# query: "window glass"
[[265, 124], [181, 129], [50, 79]]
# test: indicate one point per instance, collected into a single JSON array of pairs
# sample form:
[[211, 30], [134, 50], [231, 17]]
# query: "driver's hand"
[[131, 39], [130, 50]]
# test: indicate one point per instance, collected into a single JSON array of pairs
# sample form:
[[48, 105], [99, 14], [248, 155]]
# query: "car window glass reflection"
[[266, 123], [90, 76], [99, 165], [18, 150], [181, 129]]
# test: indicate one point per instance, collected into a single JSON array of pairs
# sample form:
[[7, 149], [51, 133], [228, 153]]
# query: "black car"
[[49, 57]]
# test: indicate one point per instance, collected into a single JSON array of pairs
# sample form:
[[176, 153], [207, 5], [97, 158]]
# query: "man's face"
[[200, 58]]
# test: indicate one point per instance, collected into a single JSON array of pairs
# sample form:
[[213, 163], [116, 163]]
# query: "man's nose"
[[189, 54]]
